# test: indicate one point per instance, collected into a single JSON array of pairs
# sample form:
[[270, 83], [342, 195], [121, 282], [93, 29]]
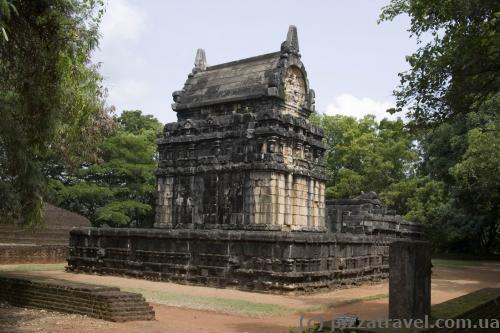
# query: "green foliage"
[[365, 155], [477, 183], [7, 9], [120, 188], [135, 122], [453, 85], [121, 212], [456, 68], [51, 98]]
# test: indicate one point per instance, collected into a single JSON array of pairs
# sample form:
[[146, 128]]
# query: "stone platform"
[[108, 303], [270, 261]]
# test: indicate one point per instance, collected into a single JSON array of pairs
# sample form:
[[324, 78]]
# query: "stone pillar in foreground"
[[409, 279]]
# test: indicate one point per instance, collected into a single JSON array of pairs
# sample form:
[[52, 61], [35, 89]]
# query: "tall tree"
[[118, 190], [365, 154], [51, 97]]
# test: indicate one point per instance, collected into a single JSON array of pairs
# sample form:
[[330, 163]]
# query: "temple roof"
[[238, 80], [232, 81]]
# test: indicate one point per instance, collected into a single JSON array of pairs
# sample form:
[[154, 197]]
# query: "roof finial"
[[200, 61], [292, 40]]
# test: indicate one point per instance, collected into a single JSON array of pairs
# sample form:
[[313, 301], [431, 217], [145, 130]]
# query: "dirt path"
[[188, 316]]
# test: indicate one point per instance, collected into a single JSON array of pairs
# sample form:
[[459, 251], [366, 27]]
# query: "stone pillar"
[[164, 207], [409, 279]]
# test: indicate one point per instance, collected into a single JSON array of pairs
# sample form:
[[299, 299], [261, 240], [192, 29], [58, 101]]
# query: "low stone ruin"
[[108, 303], [366, 215]]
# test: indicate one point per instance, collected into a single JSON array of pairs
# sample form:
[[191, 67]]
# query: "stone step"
[[108, 303]]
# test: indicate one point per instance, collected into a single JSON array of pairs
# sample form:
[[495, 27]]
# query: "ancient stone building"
[[241, 188], [243, 154]]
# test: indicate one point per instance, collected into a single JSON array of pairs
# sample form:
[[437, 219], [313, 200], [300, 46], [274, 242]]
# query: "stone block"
[[409, 279]]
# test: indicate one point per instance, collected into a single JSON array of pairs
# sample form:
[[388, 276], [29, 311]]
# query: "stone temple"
[[241, 192], [243, 154]]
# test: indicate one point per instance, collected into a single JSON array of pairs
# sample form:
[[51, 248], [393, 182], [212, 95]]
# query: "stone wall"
[[256, 200], [29, 254], [108, 303], [261, 260], [225, 167], [47, 244], [366, 215]]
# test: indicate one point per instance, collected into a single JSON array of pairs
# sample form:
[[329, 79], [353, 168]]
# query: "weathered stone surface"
[[108, 303], [409, 280], [243, 154], [366, 215], [263, 260]]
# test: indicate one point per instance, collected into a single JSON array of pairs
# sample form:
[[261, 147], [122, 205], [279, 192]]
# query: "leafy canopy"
[[456, 68], [365, 155], [118, 190], [452, 93], [51, 97]]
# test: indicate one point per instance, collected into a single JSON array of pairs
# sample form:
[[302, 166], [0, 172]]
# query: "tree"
[[7, 9], [365, 155], [51, 97], [452, 93], [456, 67], [118, 190], [477, 184]]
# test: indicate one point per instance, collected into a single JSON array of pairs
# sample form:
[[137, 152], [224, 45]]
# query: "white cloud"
[[128, 94], [349, 105], [122, 21]]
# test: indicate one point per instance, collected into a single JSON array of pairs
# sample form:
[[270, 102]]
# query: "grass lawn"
[[218, 304]]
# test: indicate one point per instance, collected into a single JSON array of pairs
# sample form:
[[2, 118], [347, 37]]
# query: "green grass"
[[457, 306], [344, 302], [32, 267], [218, 304], [455, 263], [356, 300]]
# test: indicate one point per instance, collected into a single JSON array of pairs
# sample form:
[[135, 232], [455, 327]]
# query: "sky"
[[148, 47]]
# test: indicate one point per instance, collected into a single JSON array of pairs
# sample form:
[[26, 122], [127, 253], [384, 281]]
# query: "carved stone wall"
[[272, 261], [241, 166]]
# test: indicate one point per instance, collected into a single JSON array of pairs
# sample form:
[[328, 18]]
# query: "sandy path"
[[293, 301], [447, 283]]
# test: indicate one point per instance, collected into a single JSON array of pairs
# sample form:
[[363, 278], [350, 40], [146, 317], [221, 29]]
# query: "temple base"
[[252, 260]]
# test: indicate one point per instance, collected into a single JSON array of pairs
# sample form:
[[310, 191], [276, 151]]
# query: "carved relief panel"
[[295, 89]]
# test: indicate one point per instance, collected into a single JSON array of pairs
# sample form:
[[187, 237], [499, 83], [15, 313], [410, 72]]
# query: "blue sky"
[[148, 48]]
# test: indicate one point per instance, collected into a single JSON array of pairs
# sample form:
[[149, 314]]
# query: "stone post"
[[409, 279]]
